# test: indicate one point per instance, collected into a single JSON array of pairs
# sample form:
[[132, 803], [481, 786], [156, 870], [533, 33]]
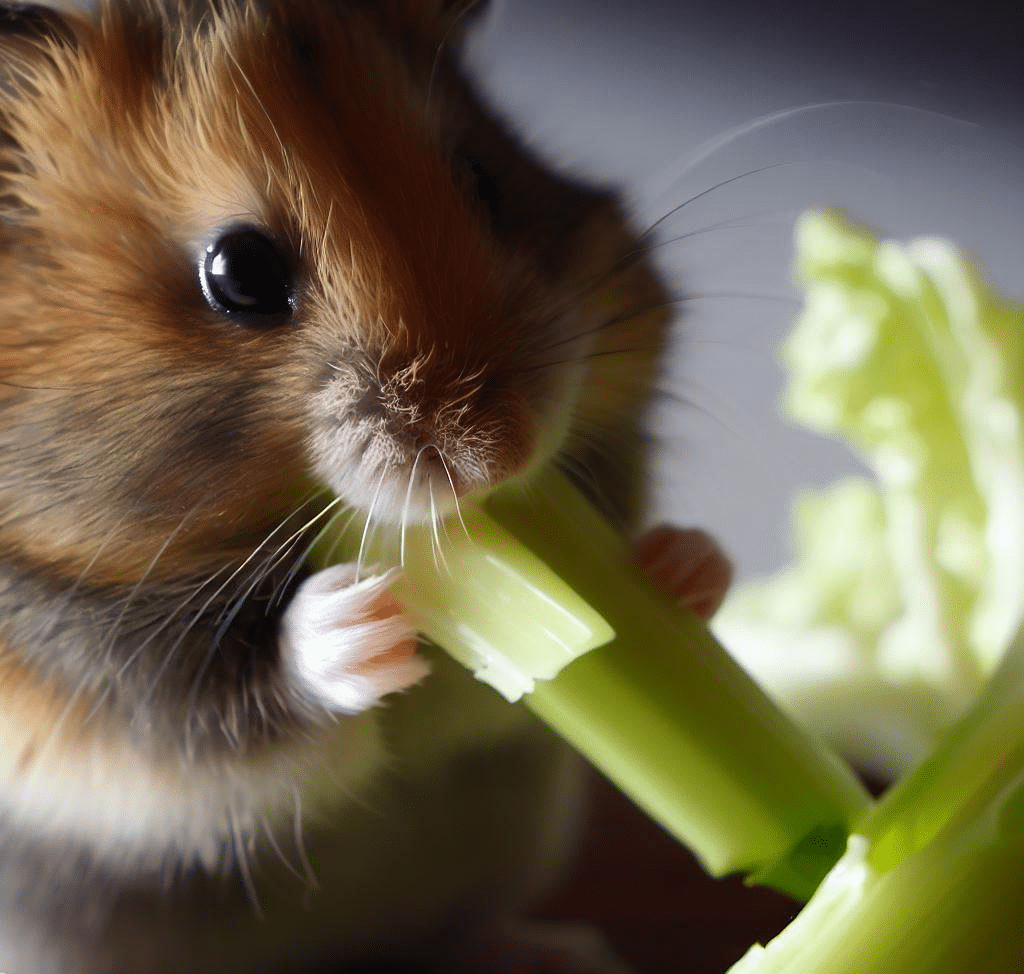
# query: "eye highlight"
[[245, 276]]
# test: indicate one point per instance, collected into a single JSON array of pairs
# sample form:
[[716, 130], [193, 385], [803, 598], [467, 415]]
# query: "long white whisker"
[[268, 832], [300, 845], [455, 493], [405, 508], [328, 557], [366, 526], [720, 141], [284, 549], [435, 535], [434, 544], [240, 843], [198, 615]]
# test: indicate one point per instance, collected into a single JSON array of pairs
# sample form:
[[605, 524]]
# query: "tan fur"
[[157, 454]]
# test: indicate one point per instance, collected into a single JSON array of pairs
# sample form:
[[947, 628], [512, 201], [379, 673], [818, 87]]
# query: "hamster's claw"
[[689, 564], [347, 642]]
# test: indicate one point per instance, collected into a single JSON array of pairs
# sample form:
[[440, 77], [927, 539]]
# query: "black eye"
[[245, 276], [481, 184]]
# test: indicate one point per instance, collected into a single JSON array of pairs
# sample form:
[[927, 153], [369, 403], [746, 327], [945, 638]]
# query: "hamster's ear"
[[33, 23]]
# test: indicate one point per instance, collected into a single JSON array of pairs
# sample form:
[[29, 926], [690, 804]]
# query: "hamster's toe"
[[347, 641], [688, 563]]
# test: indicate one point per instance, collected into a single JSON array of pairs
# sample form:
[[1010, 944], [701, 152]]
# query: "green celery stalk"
[[980, 757], [662, 710], [933, 883]]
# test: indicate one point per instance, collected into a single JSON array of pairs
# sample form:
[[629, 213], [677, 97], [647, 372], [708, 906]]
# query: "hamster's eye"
[[245, 276], [481, 183]]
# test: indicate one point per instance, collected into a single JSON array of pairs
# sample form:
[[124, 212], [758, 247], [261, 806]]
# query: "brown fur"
[[155, 451]]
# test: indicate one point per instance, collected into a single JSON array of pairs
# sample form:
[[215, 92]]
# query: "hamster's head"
[[253, 246]]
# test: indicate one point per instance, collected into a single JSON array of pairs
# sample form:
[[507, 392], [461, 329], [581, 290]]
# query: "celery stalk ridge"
[[660, 708]]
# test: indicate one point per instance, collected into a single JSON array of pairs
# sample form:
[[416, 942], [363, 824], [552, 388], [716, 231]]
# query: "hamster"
[[249, 247]]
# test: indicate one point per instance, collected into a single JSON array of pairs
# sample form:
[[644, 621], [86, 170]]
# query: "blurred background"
[[908, 114], [726, 119]]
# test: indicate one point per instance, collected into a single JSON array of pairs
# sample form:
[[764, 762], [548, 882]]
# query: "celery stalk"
[[981, 756], [933, 884], [496, 608], [663, 710]]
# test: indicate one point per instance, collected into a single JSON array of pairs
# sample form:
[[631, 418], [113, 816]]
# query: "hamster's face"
[[282, 245]]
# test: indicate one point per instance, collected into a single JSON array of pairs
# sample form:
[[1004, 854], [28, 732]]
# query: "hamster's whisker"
[[300, 561], [440, 49], [712, 189], [286, 547], [578, 470], [196, 618], [646, 246], [688, 402], [72, 591], [638, 312], [129, 599], [626, 315], [748, 221], [366, 526], [328, 557], [191, 595], [433, 529], [232, 607], [455, 495], [240, 845], [268, 832], [405, 508], [640, 253], [435, 536], [455, 498], [300, 842], [171, 617], [652, 349]]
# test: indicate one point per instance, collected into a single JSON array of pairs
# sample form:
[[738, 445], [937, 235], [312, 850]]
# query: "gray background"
[[917, 130]]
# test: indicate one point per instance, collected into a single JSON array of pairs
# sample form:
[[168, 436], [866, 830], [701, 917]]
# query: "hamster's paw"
[[347, 642], [688, 563]]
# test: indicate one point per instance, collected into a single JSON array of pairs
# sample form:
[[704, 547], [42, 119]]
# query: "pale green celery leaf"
[[905, 592]]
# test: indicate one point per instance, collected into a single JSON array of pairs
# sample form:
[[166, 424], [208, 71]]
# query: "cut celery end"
[[475, 591], [662, 710], [933, 883], [668, 716], [953, 905]]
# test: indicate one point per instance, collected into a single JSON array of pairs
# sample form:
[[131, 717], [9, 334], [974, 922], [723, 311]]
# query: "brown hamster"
[[247, 247]]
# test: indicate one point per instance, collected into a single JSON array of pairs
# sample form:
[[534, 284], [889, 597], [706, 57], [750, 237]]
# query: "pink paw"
[[348, 643], [688, 564]]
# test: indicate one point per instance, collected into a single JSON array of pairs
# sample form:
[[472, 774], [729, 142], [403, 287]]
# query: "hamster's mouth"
[[402, 474], [413, 447]]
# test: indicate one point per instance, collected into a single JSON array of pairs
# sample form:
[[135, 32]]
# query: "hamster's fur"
[[169, 782]]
